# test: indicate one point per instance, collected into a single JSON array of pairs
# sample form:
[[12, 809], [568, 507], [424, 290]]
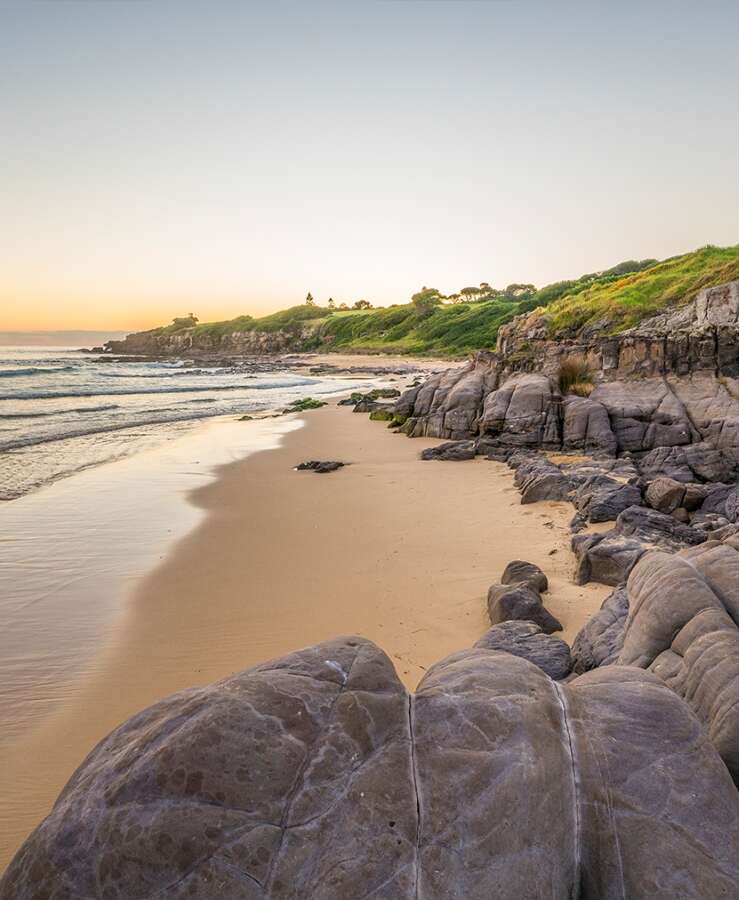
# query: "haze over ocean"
[[163, 160]]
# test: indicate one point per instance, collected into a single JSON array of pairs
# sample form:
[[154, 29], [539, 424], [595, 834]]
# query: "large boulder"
[[527, 640], [696, 462], [587, 427], [682, 625], [317, 775], [449, 403], [524, 412], [644, 414]]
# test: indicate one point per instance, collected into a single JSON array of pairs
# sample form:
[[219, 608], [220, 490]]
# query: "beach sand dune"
[[389, 547]]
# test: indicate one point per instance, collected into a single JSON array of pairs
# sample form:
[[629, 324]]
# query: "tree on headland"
[[519, 291], [185, 321], [309, 301], [470, 293], [426, 300], [362, 304]]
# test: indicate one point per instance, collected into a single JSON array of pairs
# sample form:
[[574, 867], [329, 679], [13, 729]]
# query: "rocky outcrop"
[[199, 342], [678, 616], [317, 775], [667, 392], [698, 336]]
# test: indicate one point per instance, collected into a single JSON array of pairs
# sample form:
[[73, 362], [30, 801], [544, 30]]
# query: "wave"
[[60, 412], [34, 370], [32, 440], [114, 392], [176, 374]]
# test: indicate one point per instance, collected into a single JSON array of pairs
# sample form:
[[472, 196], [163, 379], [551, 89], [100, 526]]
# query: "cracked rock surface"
[[318, 776]]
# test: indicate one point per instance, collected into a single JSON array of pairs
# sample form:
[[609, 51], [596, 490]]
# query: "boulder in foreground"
[[317, 775]]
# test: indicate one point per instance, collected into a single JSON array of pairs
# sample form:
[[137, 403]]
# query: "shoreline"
[[398, 550]]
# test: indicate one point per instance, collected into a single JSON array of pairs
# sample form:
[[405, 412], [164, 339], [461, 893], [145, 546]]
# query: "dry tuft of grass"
[[575, 378], [582, 388]]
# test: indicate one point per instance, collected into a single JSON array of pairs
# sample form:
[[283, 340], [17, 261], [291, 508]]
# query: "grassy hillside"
[[447, 326], [628, 300]]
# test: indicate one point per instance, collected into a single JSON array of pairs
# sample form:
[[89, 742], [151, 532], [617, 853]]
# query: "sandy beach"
[[398, 550]]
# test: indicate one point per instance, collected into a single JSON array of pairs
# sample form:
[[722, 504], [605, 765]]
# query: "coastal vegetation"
[[452, 325], [575, 378]]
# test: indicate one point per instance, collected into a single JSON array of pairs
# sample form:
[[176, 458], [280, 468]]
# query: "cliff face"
[[192, 342], [673, 382], [699, 337]]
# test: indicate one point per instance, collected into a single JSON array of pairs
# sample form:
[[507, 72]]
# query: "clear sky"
[[227, 157]]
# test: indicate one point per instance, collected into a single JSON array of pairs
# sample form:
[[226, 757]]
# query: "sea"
[[63, 411]]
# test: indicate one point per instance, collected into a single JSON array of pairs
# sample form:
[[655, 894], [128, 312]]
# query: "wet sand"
[[389, 547]]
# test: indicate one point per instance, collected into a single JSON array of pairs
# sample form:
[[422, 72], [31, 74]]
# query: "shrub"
[[582, 388], [575, 378]]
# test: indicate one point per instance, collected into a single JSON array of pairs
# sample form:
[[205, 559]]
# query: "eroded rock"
[[527, 640], [454, 451], [317, 775], [599, 641]]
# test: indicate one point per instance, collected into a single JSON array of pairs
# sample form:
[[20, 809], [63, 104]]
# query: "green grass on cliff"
[[625, 302], [445, 331], [610, 301]]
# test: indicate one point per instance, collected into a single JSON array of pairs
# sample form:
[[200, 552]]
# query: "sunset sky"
[[227, 157]]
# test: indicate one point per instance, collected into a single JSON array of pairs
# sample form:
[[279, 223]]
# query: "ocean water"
[[62, 411], [98, 459]]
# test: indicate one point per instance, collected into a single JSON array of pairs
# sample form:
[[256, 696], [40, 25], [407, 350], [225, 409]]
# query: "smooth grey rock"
[[519, 601], [599, 641], [731, 505], [605, 558], [318, 776], [602, 499], [682, 625], [651, 526], [587, 427], [527, 640], [520, 570], [715, 501], [453, 451], [538, 479], [525, 410]]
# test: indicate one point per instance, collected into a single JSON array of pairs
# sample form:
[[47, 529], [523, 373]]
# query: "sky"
[[226, 157]]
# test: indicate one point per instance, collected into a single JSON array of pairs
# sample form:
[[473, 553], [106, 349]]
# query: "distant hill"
[[58, 338], [437, 325]]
